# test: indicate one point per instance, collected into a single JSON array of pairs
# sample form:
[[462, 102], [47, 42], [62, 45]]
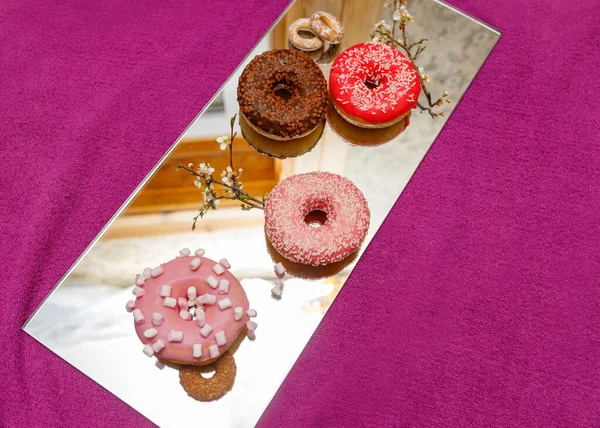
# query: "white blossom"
[[375, 39], [205, 169], [397, 15]]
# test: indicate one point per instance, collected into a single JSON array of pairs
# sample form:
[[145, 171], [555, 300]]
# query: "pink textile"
[[493, 318]]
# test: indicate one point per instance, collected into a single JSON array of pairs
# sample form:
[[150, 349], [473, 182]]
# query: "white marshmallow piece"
[[238, 313], [150, 333], [139, 280], [218, 269], [276, 292], [170, 302], [165, 291], [251, 335], [252, 313], [199, 252], [206, 330], [157, 271], [175, 336], [191, 303], [159, 364], [185, 315], [184, 252], [147, 273], [148, 350], [251, 325], [200, 317], [214, 351], [223, 286], [279, 270], [138, 316], [158, 346], [197, 350], [225, 263], [157, 319], [191, 292], [225, 303], [138, 292], [279, 284], [195, 263], [182, 302], [208, 299], [130, 306], [220, 338], [212, 281]]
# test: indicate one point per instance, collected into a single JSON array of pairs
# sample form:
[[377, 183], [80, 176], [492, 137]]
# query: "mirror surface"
[[84, 319]]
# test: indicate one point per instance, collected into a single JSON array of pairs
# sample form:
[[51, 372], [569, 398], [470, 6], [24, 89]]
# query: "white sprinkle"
[[276, 292], [130, 306], [225, 303], [200, 317], [208, 299], [206, 330], [147, 273], [191, 292], [157, 319], [175, 336], [157, 271], [159, 345], [150, 333], [225, 263], [185, 315], [223, 286], [199, 252], [238, 313], [138, 292], [139, 280], [138, 316], [220, 338], [184, 252], [251, 335], [212, 281], [251, 325], [218, 269], [195, 263], [159, 364], [170, 302], [148, 350], [197, 350], [214, 351], [252, 313], [165, 290]]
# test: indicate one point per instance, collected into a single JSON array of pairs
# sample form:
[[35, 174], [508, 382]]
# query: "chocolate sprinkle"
[[284, 117]]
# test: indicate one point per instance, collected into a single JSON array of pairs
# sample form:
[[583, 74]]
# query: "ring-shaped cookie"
[[202, 389], [302, 43]]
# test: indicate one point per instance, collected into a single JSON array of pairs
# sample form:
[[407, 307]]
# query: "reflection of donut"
[[189, 310], [300, 270], [339, 232], [373, 85], [364, 137], [327, 27], [283, 94], [303, 24], [202, 389], [277, 148]]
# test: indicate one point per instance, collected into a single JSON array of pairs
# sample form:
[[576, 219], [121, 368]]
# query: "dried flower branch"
[[386, 33], [231, 186]]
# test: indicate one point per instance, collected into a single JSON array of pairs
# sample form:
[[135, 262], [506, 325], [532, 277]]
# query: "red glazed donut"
[[294, 198], [189, 310], [373, 85]]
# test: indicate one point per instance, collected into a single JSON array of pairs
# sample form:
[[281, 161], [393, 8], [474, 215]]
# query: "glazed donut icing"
[[374, 82], [293, 198], [300, 42], [327, 27], [189, 284]]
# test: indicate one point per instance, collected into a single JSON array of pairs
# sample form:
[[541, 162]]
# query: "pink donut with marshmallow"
[[191, 309], [342, 211]]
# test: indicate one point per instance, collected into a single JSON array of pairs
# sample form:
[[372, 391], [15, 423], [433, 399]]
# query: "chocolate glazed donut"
[[283, 94]]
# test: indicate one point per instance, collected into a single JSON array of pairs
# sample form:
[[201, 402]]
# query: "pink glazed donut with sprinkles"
[[373, 85], [189, 310], [294, 199]]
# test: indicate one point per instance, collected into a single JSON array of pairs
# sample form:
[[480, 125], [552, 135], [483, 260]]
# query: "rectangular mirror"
[[84, 320]]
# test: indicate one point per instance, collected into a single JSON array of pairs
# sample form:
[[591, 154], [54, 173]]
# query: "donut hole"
[[283, 91], [372, 82], [315, 218], [209, 373]]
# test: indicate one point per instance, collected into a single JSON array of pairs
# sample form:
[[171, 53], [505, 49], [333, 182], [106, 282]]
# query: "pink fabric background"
[[485, 308]]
